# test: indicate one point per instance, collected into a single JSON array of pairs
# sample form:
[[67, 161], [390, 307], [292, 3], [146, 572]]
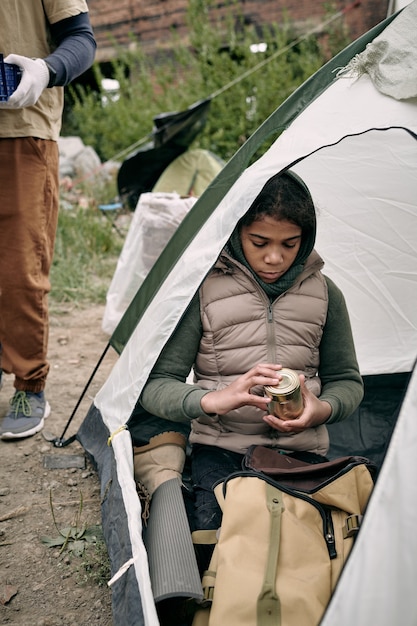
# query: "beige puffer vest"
[[242, 328]]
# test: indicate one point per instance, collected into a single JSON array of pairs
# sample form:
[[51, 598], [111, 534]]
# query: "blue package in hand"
[[10, 76]]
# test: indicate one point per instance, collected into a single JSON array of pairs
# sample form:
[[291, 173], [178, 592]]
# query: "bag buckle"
[[352, 525]]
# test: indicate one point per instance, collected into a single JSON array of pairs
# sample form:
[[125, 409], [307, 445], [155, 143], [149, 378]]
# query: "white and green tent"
[[350, 132]]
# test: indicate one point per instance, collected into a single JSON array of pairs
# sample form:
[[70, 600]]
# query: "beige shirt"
[[24, 31]]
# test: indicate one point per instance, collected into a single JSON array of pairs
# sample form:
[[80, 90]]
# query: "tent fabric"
[[93, 436], [377, 585], [190, 173], [356, 148], [392, 65], [368, 430]]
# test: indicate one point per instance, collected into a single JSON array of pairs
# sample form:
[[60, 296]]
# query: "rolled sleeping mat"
[[172, 562]]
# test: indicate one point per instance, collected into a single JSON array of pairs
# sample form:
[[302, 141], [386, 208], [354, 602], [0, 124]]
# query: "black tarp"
[[172, 135]]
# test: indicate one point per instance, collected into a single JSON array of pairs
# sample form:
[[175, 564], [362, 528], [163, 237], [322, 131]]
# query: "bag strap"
[[204, 537], [268, 604]]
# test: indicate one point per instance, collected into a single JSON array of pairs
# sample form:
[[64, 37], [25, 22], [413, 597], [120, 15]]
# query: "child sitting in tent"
[[264, 305]]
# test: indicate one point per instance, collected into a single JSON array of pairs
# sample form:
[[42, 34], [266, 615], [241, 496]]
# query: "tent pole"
[[59, 442]]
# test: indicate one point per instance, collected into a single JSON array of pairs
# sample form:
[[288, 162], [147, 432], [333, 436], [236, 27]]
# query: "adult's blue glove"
[[35, 78]]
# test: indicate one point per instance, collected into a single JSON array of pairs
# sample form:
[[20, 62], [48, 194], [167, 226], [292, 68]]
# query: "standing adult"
[[52, 42]]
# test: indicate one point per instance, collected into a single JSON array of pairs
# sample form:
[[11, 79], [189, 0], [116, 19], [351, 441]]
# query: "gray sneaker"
[[25, 416]]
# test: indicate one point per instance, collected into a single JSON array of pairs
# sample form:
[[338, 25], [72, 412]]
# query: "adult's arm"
[[75, 49], [339, 371]]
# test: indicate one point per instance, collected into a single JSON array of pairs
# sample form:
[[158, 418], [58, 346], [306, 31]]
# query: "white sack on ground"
[[154, 221]]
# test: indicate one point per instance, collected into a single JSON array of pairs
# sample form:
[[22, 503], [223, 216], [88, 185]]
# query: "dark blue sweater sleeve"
[[75, 48]]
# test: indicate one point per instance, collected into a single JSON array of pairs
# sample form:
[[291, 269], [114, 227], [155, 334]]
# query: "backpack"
[[288, 527]]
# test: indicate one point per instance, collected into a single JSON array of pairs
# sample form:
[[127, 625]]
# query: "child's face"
[[270, 247]]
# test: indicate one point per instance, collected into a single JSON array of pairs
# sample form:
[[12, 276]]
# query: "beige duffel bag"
[[284, 539]]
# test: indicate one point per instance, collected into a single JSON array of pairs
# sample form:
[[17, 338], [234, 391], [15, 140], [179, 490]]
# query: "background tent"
[[190, 174], [356, 148]]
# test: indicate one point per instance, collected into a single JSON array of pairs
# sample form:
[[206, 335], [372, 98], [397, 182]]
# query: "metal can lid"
[[288, 383]]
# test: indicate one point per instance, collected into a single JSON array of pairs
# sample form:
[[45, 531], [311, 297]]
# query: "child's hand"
[[315, 412], [243, 391]]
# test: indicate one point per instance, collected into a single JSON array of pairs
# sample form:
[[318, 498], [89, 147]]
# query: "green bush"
[[215, 60]]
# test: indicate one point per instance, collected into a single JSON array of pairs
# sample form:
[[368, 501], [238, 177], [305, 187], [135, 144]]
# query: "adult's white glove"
[[35, 78]]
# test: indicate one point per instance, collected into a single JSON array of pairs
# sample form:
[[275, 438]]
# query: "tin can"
[[286, 398]]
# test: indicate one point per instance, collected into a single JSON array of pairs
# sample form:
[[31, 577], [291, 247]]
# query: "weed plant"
[[84, 543], [95, 565]]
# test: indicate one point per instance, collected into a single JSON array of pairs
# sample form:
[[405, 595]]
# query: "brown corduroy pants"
[[29, 202]]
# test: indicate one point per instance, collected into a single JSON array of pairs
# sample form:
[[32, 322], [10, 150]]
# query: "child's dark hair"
[[283, 197]]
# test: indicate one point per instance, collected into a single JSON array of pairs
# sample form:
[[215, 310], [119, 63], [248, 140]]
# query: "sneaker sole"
[[31, 431]]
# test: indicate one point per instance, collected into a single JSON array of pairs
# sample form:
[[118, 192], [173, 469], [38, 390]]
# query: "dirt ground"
[[64, 584]]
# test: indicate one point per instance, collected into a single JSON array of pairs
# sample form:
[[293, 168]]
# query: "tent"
[[189, 174], [351, 132]]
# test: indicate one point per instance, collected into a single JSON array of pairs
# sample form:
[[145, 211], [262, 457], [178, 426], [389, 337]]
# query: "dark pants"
[[209, 465]]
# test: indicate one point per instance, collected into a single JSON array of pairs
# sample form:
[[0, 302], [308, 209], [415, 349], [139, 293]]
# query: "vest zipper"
[[270, 335]]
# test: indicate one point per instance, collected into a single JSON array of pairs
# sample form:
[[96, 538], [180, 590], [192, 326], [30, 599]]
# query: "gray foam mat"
[[172, 561]]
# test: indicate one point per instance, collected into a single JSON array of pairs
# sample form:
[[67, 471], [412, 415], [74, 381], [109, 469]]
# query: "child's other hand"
[[315, 412]]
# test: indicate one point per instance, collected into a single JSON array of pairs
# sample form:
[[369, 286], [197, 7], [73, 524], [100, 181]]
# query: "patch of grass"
[[95, 565], [86, 251]]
